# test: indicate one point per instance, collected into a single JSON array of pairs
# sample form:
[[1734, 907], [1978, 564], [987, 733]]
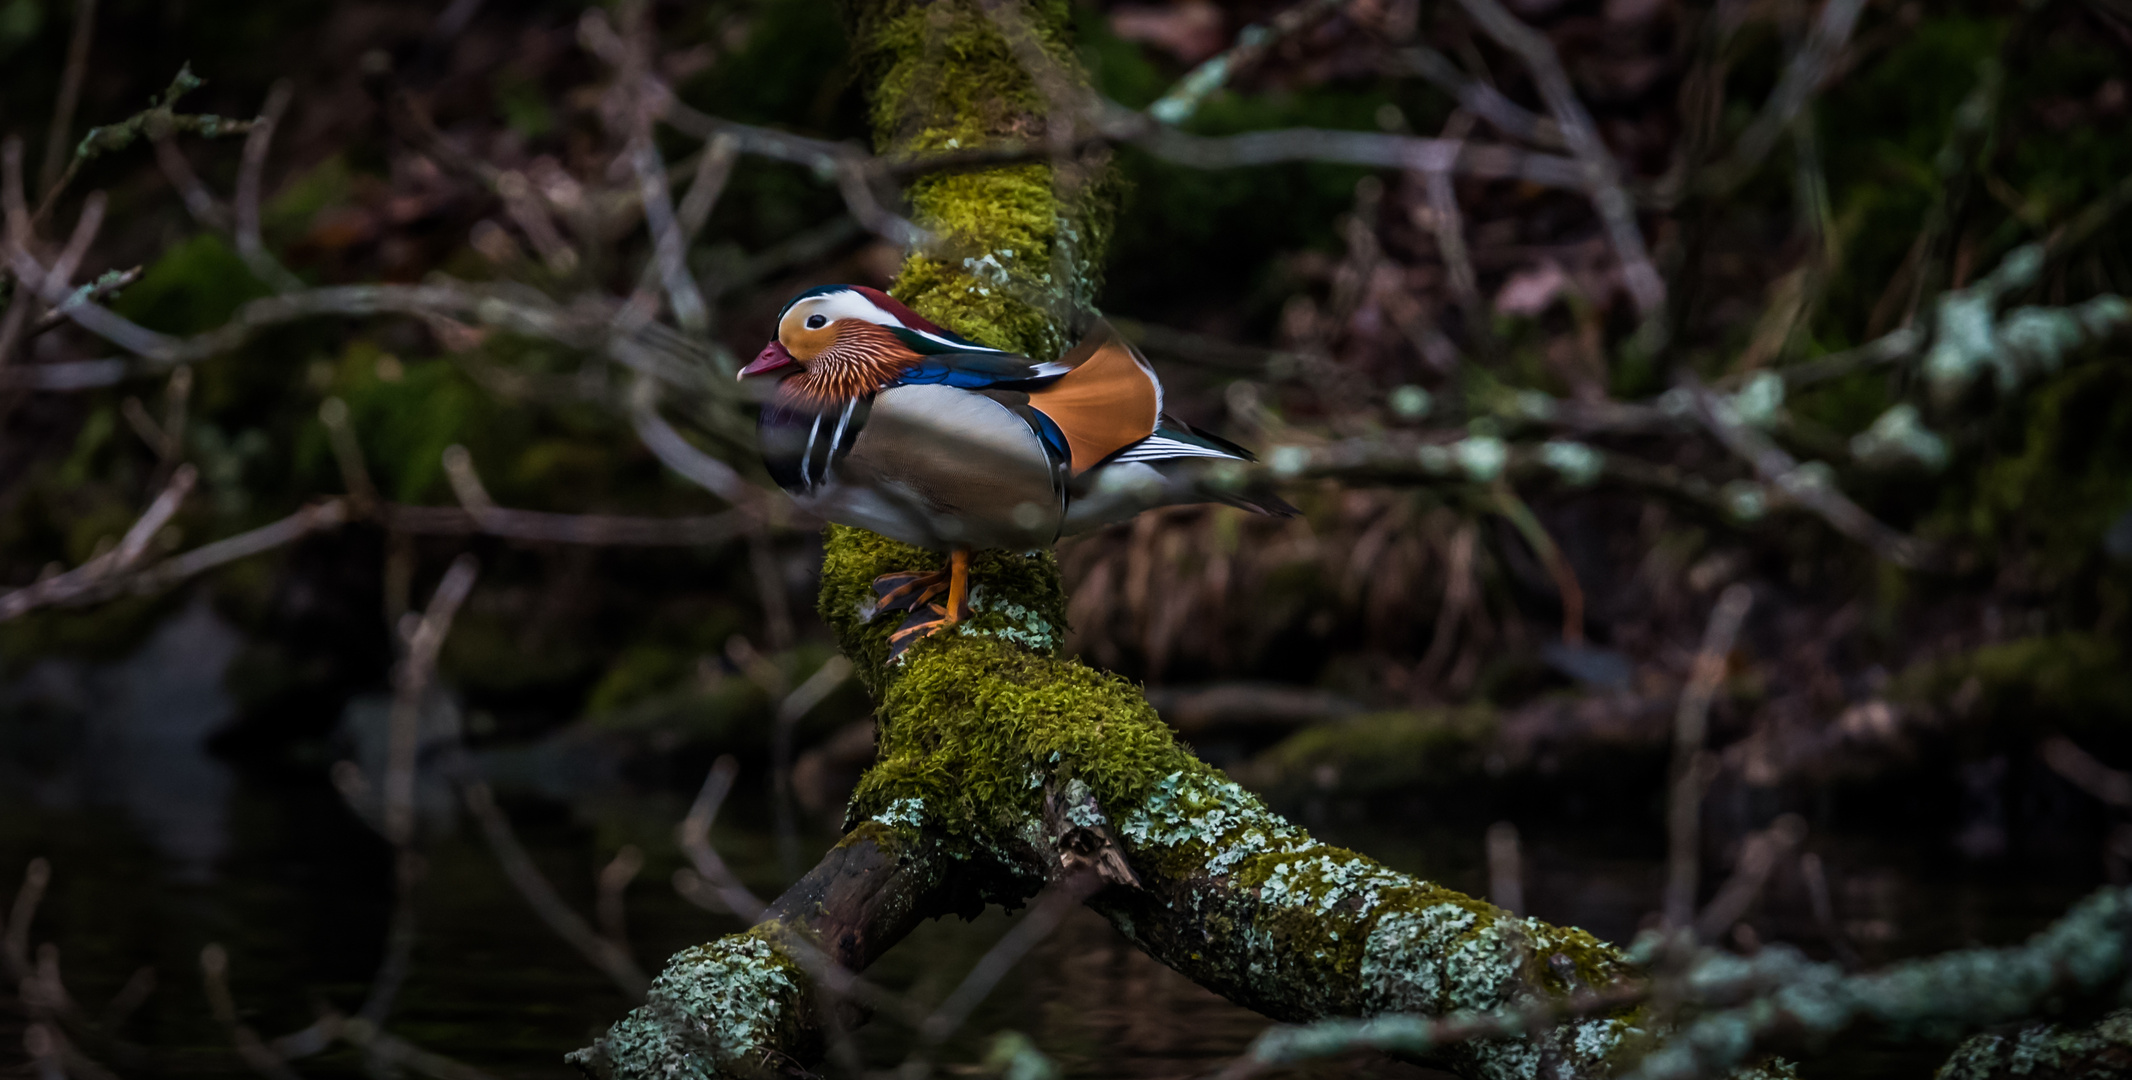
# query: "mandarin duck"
[[883, 420]]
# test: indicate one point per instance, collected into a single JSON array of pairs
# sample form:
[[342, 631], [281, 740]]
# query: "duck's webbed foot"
[[933, 600]]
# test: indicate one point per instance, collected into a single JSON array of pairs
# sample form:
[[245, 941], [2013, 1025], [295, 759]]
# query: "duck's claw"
[[922, 622], [935, 599], [907, 590]]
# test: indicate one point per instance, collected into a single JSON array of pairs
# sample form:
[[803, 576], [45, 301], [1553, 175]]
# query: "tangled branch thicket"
[[1659, 388]]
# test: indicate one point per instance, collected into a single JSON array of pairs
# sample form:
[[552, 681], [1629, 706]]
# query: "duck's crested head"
[[817, 321]]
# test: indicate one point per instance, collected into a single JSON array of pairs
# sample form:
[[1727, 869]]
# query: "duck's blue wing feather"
[[980, 371]]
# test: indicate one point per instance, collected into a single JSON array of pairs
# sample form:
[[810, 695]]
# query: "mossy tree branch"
[[1005, 767]]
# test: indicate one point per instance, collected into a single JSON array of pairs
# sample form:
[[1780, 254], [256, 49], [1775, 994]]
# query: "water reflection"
[[273, 864], [133, 734]]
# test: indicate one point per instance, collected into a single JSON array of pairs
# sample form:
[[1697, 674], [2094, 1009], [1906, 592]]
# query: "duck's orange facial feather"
[[802, 341], [846, 359]]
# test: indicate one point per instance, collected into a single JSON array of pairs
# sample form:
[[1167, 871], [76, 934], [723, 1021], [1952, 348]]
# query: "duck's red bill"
[[772, 357]]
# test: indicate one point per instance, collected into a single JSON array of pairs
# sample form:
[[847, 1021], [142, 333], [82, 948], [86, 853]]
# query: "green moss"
[[1015, 250], [2073, 681], [2060, 476], [194, 287]]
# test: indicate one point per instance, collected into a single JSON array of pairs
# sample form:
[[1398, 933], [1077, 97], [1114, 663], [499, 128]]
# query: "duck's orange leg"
[[919, 594], [958, 586]]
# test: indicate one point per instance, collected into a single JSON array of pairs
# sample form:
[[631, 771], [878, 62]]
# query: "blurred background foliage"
[[1401, 645]]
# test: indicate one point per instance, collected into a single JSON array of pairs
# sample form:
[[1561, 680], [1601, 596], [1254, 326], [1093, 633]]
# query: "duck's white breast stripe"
[[837, 440], [807, 456]]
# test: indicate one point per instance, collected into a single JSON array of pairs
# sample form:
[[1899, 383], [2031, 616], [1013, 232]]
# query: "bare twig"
[[161, 575], [160, 119], [15, 941], [249, 181], [1182, 100], [794, 708], [410, 697], [1478, 98], [393, 1050], [1817, 894], [680, 455], [1449, 227], [1803, 76], [1506, 875], [2109, 786], [1459, 590], [62, 587], [669, 243], [596, 529], [408, 870], [42, 1043], [103, 288], [853, 168], [261, 1058], [1366, 148], [1899, 344], [69, 98], [1046, 912], [1602, 173], [1550, 553], [1692, 764], [614, 879], [1810, 488], [1759, 855], [12, 197], [348, 454], [199, 199], [1419, 1036], [17, 235], [713, 169], [601, 953], [85, 230], [712, 880]]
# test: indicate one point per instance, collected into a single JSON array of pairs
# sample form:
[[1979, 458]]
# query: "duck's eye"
[[816, 322]]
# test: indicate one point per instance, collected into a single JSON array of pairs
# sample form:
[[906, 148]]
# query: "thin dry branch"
[[85, 229], [255, 1053], [1809, 488], [1803, 77], [1045, 914], [199, 199], [600, 952], [104, 287], [69, 97], [250, 173], [1602, 175], [711, 883], [1760, 853], [1182, 100], [159, 120], [410, 696], [1692, 764], [1477, 97], [60, 588], [610, 530]]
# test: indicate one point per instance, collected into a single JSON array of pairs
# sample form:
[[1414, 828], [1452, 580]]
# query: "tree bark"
[[1005, 767]]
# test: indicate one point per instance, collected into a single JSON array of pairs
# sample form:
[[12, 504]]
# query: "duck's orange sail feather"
[[1109, 400]]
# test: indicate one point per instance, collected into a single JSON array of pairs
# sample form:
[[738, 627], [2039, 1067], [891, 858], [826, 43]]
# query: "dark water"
[[159, 848]]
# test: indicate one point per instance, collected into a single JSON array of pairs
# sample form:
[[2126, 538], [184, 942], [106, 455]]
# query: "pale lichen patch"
[[714, 1007]]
